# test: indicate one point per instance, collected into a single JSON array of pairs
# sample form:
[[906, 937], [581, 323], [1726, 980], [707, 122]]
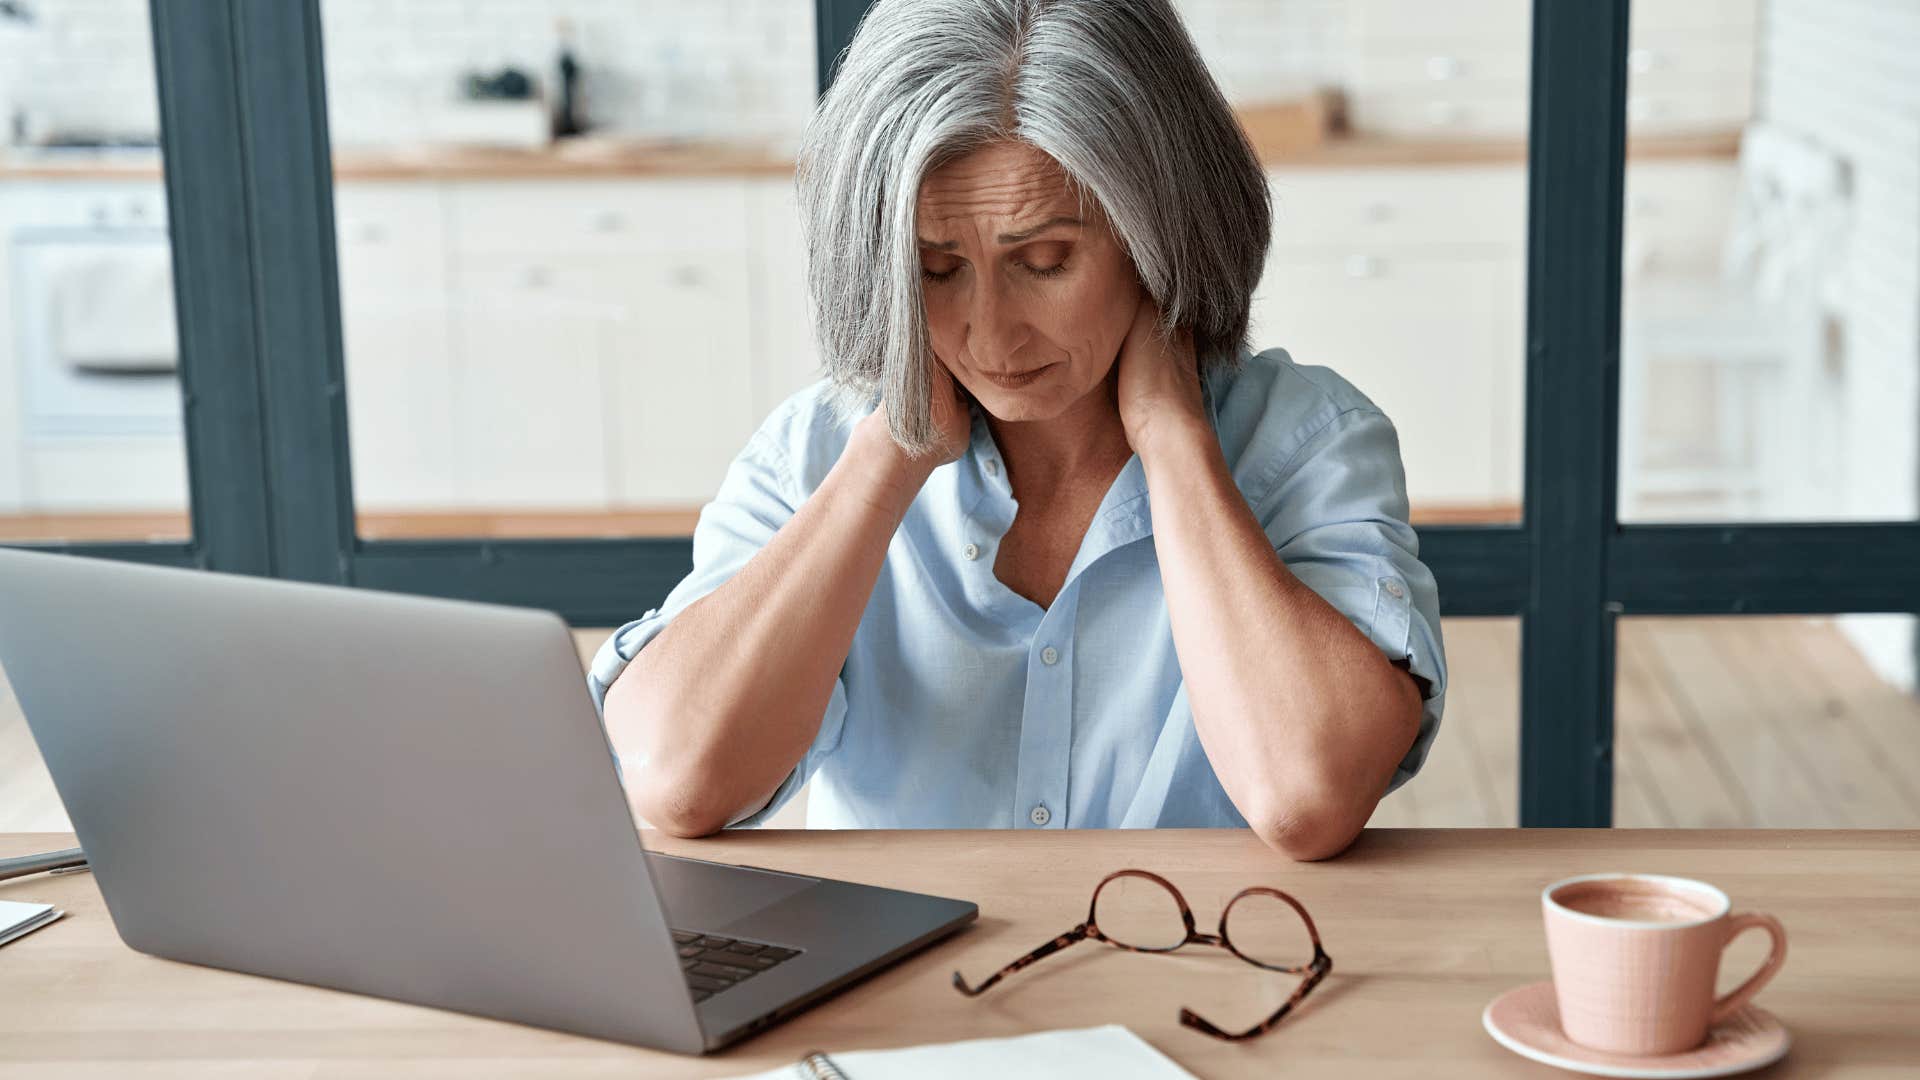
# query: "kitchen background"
[[572, 335]]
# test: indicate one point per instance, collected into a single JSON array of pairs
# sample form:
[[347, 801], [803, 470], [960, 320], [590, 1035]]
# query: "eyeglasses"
[[1143, 912]]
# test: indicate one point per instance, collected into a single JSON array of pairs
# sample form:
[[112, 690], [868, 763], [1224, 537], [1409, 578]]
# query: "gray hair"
[[1112, 90]]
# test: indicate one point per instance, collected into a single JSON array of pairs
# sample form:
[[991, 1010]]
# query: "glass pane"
[[1471, 778], [522, 313], [538, 272], [1770, 317], [90, 404], [1766, 722], [1395, 139]]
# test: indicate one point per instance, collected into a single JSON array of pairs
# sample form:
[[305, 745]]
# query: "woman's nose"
[[996, 325]]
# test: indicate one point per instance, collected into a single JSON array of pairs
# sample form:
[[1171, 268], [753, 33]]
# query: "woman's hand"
[[952, 416], [1159, 384], [953, 432]]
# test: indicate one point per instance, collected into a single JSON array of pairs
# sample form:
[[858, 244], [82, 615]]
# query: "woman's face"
[[1027, 303]]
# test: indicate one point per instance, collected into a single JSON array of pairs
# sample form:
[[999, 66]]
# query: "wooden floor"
[[1757, 721]]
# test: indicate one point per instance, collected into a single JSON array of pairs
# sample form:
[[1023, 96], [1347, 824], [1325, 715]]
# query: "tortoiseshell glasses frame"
[[1314, 970]]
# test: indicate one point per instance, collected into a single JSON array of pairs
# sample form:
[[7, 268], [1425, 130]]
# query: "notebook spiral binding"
[[820, 1067]]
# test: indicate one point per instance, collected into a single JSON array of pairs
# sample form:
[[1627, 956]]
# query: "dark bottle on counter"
[[568, 119]]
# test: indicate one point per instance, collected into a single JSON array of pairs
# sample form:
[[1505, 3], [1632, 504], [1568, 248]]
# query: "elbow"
[[666, 791], [1307, 829], [677, 810], [1306, 842]]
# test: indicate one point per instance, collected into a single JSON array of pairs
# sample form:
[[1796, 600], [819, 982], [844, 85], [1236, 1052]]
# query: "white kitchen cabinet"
[[1420, 69], [626, 362], [629, 305], [395, 314], [674, 385], [1434, 341], [1409, 282], [601, 380], [400, 403], [1404, 206], [599, 217], [529, 406], [102, 473], [785, 351], [682, 384]]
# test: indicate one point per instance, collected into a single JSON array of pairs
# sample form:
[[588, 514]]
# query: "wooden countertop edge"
[[1354, 152]]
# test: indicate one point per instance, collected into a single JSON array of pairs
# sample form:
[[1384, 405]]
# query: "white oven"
[[95, 345]]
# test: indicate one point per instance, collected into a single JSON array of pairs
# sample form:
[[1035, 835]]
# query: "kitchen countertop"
[[599, 159]]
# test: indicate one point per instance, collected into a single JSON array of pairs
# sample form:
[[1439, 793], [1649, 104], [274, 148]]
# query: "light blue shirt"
[[963, 704]]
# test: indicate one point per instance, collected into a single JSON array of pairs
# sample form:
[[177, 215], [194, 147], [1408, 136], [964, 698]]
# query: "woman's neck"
[[1086, 443]]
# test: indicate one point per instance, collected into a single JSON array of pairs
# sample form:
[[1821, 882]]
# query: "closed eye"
[[1037, 271]]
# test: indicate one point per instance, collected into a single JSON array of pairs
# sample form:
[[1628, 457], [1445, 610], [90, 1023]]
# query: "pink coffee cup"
[[1635, 958]]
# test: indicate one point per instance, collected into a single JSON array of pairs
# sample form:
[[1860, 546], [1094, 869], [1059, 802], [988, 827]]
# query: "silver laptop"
[[404, 797]]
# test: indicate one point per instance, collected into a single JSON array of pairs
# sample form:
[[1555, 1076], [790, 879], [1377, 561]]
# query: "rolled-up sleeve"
[[1337, 515], [755, 499]]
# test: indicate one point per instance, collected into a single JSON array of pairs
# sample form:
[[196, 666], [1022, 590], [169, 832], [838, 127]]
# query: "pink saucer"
[[1526, 1020]]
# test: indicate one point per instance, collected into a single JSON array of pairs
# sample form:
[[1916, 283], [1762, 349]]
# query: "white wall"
[[1842, 73]]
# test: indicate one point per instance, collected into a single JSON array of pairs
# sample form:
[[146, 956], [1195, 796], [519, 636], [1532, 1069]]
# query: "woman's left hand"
[[1159, 383]]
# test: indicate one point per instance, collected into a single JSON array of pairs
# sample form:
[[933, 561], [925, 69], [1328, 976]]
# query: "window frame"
[[250, 194]]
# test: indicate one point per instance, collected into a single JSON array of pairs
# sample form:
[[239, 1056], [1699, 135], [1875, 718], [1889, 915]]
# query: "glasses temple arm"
[[1322, 963], [1078, 933]]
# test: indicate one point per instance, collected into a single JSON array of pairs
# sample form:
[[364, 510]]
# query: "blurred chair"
[[1756, 333]]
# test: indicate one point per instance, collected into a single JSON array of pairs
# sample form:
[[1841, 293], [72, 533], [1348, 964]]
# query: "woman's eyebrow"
[[1008, 238]]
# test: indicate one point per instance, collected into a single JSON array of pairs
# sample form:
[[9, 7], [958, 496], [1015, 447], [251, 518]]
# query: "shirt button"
[[993, 467], [970, 552], [1394, 589], [1040, 815], [1049, 655]]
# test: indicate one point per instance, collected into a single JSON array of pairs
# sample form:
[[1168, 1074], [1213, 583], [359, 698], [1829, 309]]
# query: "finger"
[[1141, 330]]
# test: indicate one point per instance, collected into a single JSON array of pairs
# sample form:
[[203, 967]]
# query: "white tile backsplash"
[[733, 68]]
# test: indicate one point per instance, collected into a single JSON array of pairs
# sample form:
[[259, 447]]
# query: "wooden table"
[[1425, 926]]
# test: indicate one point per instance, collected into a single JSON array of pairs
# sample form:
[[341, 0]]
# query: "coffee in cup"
[[1635, 958]]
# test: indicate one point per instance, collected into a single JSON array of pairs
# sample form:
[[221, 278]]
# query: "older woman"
[[1049, 547]]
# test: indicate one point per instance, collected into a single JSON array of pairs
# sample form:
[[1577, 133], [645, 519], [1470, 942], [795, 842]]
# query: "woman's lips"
[[1012, 382]]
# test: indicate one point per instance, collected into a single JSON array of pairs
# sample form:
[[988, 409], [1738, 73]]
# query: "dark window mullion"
[[210, 229], [1785, 569], [296, 285], [1575, 163]]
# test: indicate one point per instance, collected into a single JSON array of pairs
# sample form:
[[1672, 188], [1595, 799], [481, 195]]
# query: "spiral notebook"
[[18, 918], [1105, 1053]]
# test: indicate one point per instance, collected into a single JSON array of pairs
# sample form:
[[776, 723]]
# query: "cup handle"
[[1747, 920]]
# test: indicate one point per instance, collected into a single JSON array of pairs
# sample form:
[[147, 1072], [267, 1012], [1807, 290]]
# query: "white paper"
[[17, 918], [1096, 1053]]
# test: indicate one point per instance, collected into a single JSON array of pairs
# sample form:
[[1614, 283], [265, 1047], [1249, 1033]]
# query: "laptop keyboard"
[[711, 963]]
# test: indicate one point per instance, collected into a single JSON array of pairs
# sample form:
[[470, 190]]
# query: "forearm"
[[1302, 717], [725, 701]]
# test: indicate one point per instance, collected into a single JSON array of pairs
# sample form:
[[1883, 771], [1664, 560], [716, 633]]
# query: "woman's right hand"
[[952, 415], [952, 422]]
